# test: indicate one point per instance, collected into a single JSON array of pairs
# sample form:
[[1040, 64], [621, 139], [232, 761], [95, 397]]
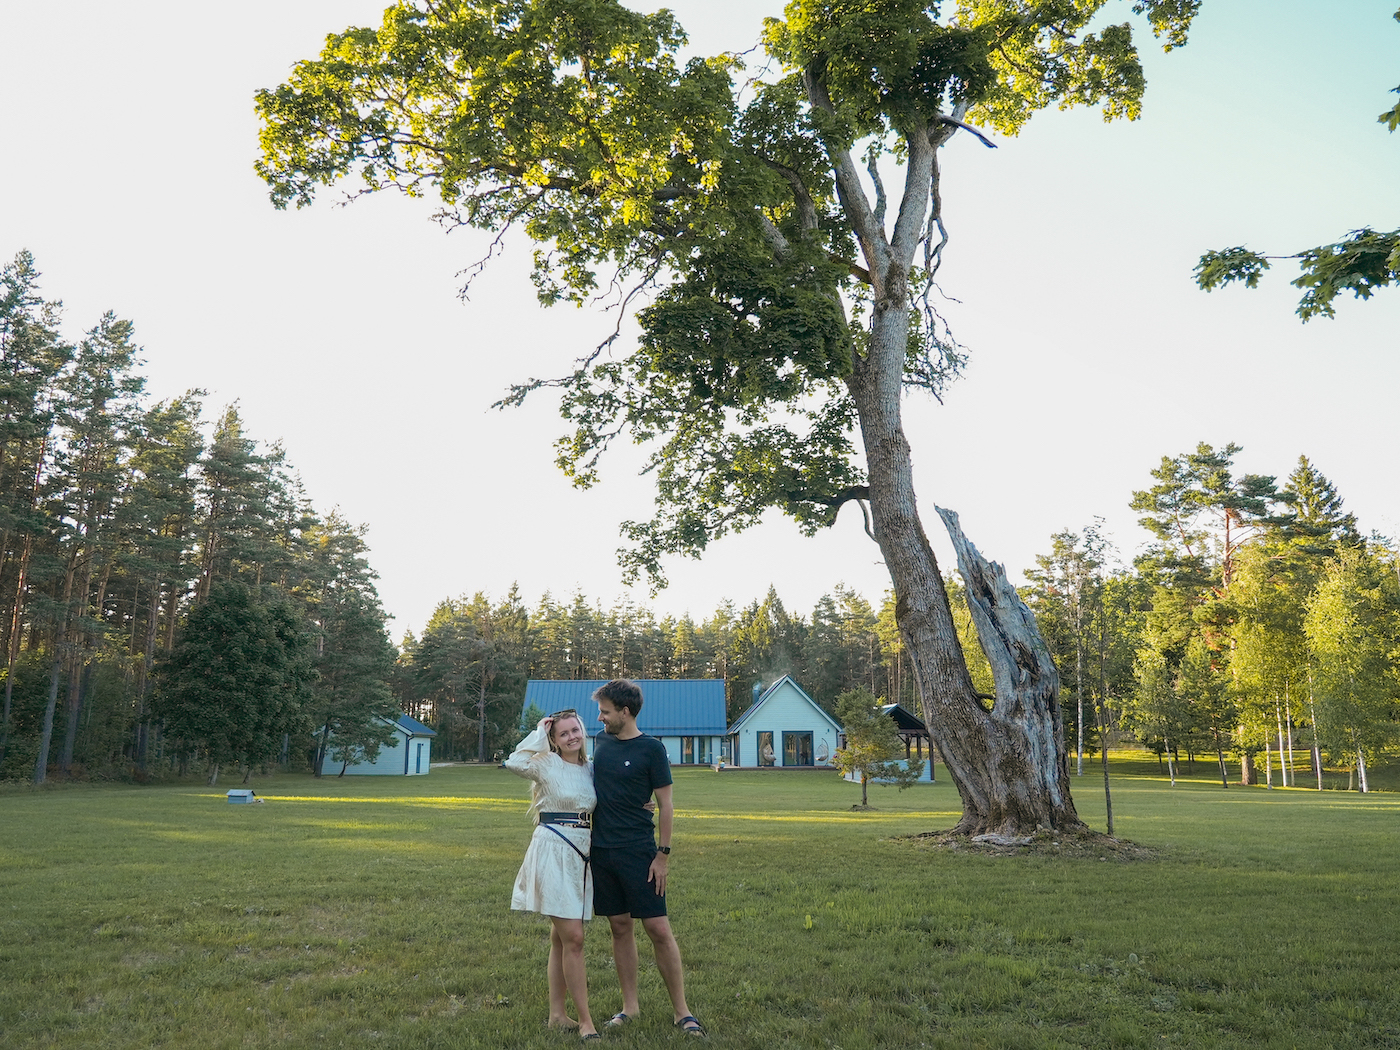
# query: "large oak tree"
[[787, 292]]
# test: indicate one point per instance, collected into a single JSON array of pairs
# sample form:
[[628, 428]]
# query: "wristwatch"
[[664, 849]]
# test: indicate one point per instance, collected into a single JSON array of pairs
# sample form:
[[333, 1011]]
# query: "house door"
[[418, 760], [797, 749]]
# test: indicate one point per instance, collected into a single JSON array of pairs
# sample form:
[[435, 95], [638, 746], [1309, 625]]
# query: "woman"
[[555, 879]]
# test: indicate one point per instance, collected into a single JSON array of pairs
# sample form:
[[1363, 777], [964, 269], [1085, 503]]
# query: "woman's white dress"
[[553, 879]]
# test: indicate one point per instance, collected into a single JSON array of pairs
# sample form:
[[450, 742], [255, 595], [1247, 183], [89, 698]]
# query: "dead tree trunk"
[[1010, 763]]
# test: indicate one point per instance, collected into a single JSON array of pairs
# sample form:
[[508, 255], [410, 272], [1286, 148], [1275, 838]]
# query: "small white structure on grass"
[[784, 728], [410, 755]]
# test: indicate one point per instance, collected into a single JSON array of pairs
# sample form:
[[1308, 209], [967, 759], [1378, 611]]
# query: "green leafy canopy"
[[715, 197]]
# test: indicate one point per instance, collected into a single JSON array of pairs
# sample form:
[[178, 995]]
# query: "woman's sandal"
[[591, 1035], [691, 1026], [617, 1020]]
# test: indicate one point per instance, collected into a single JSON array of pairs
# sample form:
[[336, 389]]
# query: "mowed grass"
[[370, 912]]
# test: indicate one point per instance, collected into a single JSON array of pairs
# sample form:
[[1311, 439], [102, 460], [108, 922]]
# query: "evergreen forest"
[[175, 605]]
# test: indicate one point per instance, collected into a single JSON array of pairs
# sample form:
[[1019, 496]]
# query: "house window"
[[797, 749], [702, 750], [766, 755], [687, 750]]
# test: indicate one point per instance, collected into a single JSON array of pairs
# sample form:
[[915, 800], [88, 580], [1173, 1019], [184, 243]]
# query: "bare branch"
[[872, 166], [970, 130], [858, 271], [865, 513], [868, 231], [933, 254]]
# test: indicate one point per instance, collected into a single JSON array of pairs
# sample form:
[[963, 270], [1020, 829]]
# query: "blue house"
[[410, 755], [686, 714], [784, 727]]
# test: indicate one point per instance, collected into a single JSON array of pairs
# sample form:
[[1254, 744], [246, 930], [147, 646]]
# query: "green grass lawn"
[[370, 912]]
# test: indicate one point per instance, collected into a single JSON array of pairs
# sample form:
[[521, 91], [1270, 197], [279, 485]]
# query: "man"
[[629, 867]]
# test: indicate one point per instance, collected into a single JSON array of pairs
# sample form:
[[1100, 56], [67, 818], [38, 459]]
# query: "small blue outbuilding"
[[410, 755]]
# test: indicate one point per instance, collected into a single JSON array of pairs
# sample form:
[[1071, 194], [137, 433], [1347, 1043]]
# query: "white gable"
[[789, 722]]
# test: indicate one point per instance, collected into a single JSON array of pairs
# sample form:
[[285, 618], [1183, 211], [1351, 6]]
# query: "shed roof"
[[413, 727], [738, 722], [670, 706], [907, 722]]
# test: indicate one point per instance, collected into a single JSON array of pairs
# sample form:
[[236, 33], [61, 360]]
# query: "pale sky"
[[127, 169]]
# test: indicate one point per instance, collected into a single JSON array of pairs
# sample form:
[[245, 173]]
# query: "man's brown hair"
[[621, 693]]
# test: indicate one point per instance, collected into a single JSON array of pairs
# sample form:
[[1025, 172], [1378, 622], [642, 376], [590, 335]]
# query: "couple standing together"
[[593, 850]]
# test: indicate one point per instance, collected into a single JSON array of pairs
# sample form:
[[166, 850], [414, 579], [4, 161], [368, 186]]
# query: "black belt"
[[568, 820]]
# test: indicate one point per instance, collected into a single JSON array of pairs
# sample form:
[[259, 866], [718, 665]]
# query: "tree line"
[[466, 672], [1258, 624], [144, 552]]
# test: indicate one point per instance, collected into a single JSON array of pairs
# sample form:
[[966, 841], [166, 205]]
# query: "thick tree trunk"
[[1019, 746], [322, 746], [1007, 759]]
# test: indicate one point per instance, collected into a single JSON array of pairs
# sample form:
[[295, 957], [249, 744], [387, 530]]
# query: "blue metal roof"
[[414, 727], [670, 707]]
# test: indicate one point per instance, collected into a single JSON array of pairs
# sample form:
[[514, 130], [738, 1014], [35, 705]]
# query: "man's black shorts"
[[620, 885]]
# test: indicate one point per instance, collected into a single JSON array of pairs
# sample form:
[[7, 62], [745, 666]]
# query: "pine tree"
[[238, 679]]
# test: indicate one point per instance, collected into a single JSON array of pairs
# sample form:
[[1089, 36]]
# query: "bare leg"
[[625, 961], [558, 1009], [668, 961], [568, 933]]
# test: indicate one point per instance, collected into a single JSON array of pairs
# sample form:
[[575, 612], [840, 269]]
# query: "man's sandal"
[[617, 1020], [690, 1026]]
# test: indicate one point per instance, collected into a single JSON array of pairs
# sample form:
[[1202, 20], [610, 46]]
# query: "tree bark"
[[1019, 744], [1007, 761]]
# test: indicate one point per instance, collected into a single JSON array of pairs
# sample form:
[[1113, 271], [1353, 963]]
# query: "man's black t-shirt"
[[625, 773]]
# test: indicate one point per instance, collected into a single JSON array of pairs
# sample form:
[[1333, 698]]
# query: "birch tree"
[[1353, 629]]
